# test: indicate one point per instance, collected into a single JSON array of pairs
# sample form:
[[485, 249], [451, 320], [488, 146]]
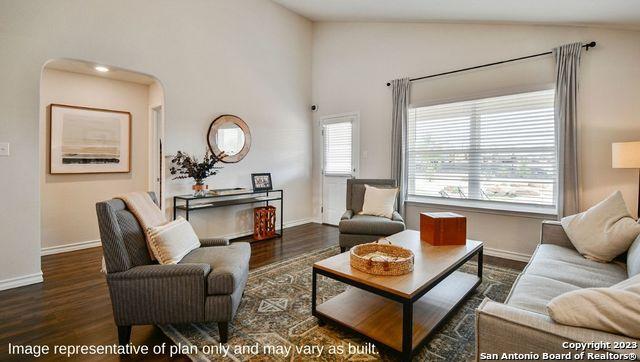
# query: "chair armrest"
[[502, 328], [553, 233], [159, 294], [161, 271], [347, 215], [206, 242], [397, 217]]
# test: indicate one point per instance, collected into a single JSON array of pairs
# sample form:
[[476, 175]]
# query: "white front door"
[[339, 156]]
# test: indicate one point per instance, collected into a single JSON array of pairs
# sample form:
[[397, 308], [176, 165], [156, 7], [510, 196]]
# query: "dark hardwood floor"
[[72, 306]]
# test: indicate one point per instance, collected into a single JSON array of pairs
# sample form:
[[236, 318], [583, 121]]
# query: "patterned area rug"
[[276, 311]]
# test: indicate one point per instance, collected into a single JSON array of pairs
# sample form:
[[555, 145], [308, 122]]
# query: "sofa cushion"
[[568, 266], [554, 270], [633, 258], [604, 231], [229, 266], [370, 225], [533, 292]]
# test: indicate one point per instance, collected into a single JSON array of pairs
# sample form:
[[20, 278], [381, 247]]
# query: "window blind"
[[337, 148], [495, 149]]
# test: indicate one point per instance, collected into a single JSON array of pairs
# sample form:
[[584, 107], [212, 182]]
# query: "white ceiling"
[[82, 67], [616, 13]]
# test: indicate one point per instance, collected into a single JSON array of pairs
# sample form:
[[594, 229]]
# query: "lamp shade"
[[625, 155]]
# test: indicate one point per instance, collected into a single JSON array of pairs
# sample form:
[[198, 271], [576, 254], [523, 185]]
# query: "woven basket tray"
[[381, 259]]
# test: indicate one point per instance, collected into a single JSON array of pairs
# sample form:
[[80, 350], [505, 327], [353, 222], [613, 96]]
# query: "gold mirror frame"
[[213, 129]]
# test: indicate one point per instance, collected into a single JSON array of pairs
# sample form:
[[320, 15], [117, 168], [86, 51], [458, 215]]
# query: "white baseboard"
[[70, 247], [505, 254], [21, 281], [299, 222]]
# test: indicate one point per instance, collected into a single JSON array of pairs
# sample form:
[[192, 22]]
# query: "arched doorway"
[[101, 132]]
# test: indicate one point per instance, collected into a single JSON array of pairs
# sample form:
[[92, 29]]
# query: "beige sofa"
[[522, 325]]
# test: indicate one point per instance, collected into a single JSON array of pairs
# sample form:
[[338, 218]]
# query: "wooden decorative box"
[[443, 228]]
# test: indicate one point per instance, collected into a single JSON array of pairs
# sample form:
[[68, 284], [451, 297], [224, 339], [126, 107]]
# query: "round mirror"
[[230, 135]]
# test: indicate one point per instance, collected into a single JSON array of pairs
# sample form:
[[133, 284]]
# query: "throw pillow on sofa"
[[170, 242], [379, 201], [633, 258], [604, 231], [615, 309]]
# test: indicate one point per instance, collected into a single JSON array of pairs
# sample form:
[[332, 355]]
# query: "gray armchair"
[[206, 286], [358, 229]]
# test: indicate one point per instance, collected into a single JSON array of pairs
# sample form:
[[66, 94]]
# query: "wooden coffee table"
[[399, 312]]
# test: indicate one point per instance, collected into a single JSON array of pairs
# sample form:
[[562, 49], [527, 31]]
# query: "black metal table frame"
[[231, 202], [407, 303]]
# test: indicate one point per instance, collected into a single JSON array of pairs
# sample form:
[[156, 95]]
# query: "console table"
[[228, 197]]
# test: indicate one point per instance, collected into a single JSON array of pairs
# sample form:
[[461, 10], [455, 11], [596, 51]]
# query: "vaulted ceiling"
[[612, 13]]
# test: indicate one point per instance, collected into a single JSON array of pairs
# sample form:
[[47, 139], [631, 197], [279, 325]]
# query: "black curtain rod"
[[586, 46]]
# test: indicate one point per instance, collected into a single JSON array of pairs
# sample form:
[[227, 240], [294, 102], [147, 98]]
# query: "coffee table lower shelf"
[[380, 318]]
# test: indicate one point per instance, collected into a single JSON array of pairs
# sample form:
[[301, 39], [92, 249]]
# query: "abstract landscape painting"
[[89, 140]]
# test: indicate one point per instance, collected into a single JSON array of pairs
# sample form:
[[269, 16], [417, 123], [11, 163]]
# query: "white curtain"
[[566, 116], [400, 97]]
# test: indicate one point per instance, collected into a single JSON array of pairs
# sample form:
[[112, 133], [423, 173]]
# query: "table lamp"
[[627, 155]]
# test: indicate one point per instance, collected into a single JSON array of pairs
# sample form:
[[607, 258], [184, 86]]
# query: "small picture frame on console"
[[261, 181]]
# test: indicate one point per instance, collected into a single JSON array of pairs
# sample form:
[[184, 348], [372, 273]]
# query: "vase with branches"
[[188, 166]]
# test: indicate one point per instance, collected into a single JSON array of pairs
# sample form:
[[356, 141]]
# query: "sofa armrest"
[[161, 271], [347, 215], [553, 233], [397, 217], [159, 294], [207, 242], [502, 328]]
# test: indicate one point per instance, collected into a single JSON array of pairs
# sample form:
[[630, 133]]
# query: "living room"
[[328, 126]]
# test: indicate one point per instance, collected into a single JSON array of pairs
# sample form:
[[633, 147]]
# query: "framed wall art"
[[89, 140], [261, 181]]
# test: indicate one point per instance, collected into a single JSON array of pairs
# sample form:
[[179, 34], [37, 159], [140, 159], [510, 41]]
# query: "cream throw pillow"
[[379, 202], [172, 241], [633, 258], [604, 231], [615, 309]]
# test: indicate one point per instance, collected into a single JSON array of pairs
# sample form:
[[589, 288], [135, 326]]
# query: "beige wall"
[[251, 58], [353, 61], [68, 201]]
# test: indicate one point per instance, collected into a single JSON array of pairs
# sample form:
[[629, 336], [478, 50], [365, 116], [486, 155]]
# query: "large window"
[[498, 149]]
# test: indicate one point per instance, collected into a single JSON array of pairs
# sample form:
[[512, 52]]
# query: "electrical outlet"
[[4, 148]]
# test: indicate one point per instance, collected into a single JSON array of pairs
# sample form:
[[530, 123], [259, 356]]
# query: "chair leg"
[[223, 328], [343, 249], [124, 335]]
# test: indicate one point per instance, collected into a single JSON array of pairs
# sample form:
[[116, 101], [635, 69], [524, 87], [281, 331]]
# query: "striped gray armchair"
[[205, 286], [358, 229]]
